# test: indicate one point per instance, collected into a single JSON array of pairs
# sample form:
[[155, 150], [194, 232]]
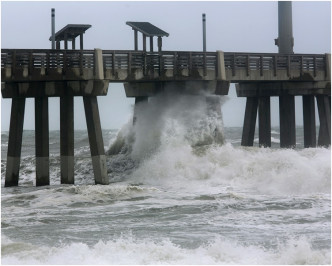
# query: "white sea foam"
[[130, 250], [279, 171]]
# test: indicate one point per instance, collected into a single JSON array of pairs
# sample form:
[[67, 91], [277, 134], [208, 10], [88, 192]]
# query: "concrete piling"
[[95, 139], [249, 123], [15, 142], [287, 121], [42, 141], [309, 121], [264, 117], [67, 139], [324, 111]]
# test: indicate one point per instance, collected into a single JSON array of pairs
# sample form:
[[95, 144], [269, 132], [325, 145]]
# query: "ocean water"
[[183, 191]]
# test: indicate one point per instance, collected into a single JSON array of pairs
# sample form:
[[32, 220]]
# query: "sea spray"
[[193, 119]]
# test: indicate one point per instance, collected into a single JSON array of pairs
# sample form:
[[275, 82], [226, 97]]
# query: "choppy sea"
[[177, 195]]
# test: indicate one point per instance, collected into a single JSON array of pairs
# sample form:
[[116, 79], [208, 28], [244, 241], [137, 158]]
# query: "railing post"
[[64, 69], [204, 71], [129, 63], [328, 66], [160, 64], [81, 62], [233, 66], [288, 65], [47, 62], [275, 65], [301, 65], [315, 66], [190, 65], [144, 66], [175, 67], [261, 65], [113, 63], [248, 65], [30, 63], [13, 63]]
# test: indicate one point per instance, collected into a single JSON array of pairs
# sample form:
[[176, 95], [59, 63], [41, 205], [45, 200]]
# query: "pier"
[[64, 73]]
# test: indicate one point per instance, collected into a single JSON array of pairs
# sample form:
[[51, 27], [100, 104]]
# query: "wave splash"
[[167, 119]]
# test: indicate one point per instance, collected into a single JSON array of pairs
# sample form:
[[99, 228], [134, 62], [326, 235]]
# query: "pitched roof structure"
[[147, 29]]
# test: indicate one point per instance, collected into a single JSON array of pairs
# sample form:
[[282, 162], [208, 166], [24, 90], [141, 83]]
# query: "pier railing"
[[177, 61], [275, 62]]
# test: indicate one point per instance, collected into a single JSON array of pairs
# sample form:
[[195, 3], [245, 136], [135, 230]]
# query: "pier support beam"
[[287, 121], [67, 139], [15, 142], [138, 102], [249, 123], [264, 116], [42, 141], [309, 121], [324, 111], [95, 140]]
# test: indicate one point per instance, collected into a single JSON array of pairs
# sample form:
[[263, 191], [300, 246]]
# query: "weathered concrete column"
[[15, 142], [67, 139], [42, 141], [95, 139], [309, 121], [221, 66], [287, 121], [249, 123], [264, 117], [138, 103], [99, 67], [324, 111]]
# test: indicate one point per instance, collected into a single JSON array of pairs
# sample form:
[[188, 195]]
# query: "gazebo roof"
[[71, 30], [147, 29]]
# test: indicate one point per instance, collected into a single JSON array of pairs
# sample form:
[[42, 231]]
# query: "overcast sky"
[[231, 27]]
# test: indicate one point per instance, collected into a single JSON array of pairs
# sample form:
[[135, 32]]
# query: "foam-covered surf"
[[128, 250], [183, 191]]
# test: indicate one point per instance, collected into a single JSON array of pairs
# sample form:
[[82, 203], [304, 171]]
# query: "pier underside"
[[258, 98]]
